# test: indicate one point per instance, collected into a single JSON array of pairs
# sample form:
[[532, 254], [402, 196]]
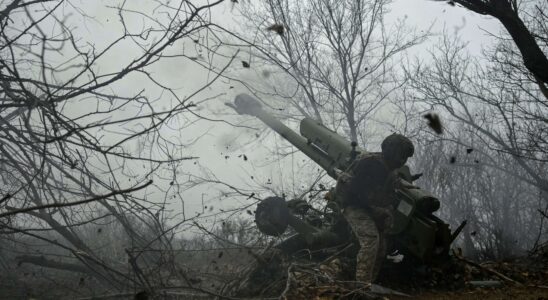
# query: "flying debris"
[[143, 295], [416, 176], [278, 28], [434, 122], [6, 197], [245, 64], [426, 244]]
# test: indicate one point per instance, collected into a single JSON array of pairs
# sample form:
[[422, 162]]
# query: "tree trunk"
[[48, 263], [533, 57]]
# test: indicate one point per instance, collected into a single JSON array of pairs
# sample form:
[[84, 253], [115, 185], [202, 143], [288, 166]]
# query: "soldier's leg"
[[368, 236], [381, 254]]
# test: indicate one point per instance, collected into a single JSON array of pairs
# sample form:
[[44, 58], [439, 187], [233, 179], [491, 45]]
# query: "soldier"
[[367, 194]]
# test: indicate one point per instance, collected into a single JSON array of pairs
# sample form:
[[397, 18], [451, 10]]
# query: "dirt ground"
[[511, 293], [523, 278], [459, 278]]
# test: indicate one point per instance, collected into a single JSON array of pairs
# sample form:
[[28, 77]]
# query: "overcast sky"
[[220, 150], [224, 140]]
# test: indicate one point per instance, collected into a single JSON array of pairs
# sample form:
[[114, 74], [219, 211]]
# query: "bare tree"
[[504, 106], [492, 156], [68, 130], [335, 61], [526, 34], [502, 213]]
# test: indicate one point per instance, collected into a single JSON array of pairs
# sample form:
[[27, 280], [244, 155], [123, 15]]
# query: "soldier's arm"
[[370, 177]]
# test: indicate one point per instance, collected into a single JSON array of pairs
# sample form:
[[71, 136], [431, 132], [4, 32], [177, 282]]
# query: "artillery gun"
[[417, 232]]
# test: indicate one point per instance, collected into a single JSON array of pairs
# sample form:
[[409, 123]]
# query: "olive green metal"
[[414, 227], [419, 237], [273, 216], [312, 235], [335, 146], [245, 104]]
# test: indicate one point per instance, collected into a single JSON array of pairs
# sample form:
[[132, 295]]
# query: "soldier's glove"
[[342, 188], [402, 184], [344, 177]]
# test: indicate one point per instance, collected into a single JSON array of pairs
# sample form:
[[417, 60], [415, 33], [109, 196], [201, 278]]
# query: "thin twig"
[[500, 275], [96, 198]]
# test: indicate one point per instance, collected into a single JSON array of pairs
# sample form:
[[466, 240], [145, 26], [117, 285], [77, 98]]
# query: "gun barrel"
[[338, 148], [245, 104]]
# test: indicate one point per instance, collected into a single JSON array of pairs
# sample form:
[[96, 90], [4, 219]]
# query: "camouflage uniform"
[[367, 192], [372, 243]]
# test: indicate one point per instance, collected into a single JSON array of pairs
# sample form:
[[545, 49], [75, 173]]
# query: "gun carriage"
[[417, 233]]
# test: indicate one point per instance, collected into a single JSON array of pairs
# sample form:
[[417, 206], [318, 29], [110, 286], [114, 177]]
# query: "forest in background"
[[101, 113]]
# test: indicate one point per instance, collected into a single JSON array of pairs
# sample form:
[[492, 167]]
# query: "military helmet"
[[397, 145]]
